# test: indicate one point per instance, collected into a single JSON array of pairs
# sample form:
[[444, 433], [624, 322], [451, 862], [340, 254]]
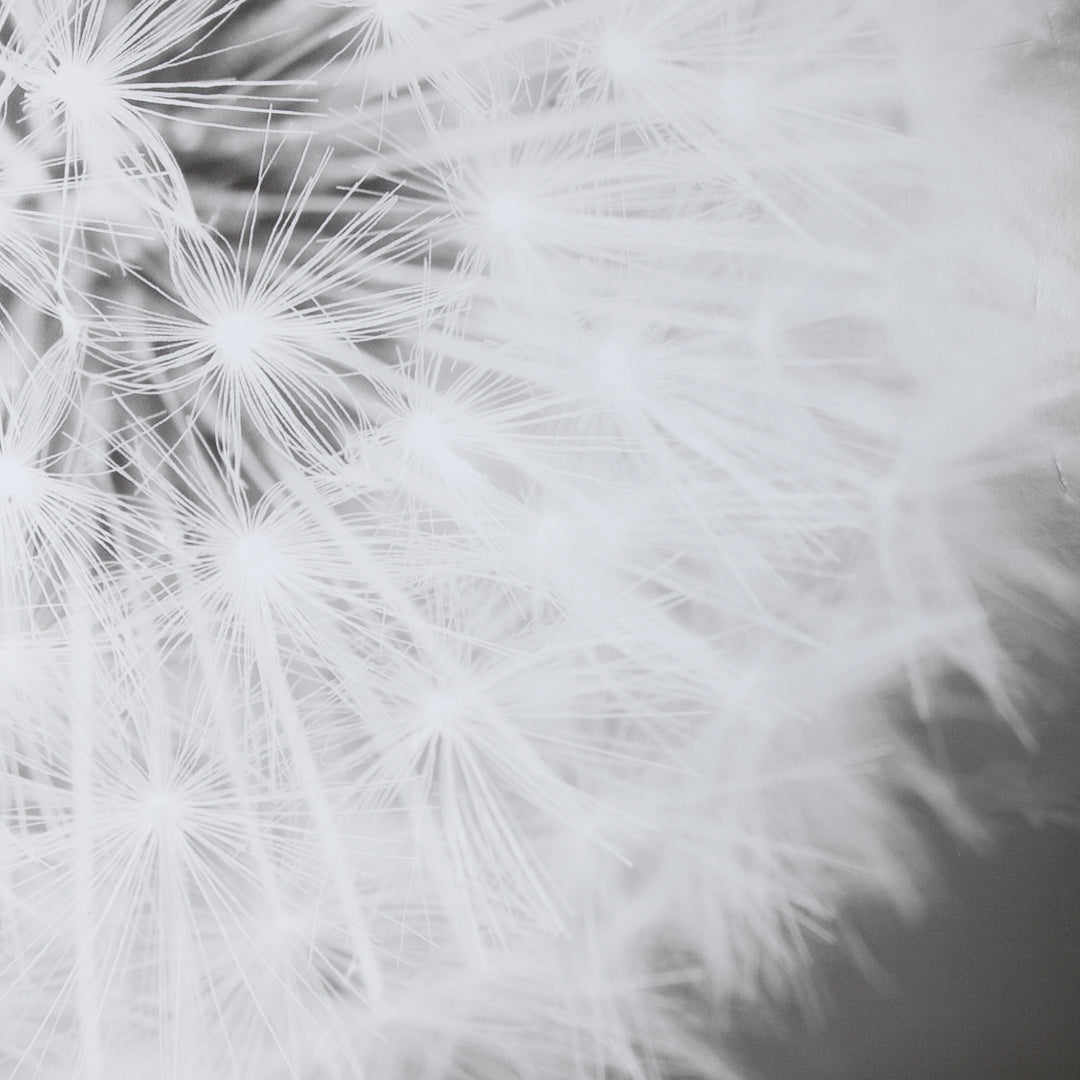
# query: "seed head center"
[[18, 481], [237, 339], [621, 55], [256, 560], [82, 87]]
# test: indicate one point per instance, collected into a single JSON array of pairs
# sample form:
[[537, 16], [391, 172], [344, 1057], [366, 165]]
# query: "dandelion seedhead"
[[475, 478]]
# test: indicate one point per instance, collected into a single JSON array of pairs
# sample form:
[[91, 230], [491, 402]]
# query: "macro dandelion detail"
[[476, 477]]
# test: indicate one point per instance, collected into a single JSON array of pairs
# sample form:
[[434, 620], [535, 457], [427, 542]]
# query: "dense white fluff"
[[476, 477]]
